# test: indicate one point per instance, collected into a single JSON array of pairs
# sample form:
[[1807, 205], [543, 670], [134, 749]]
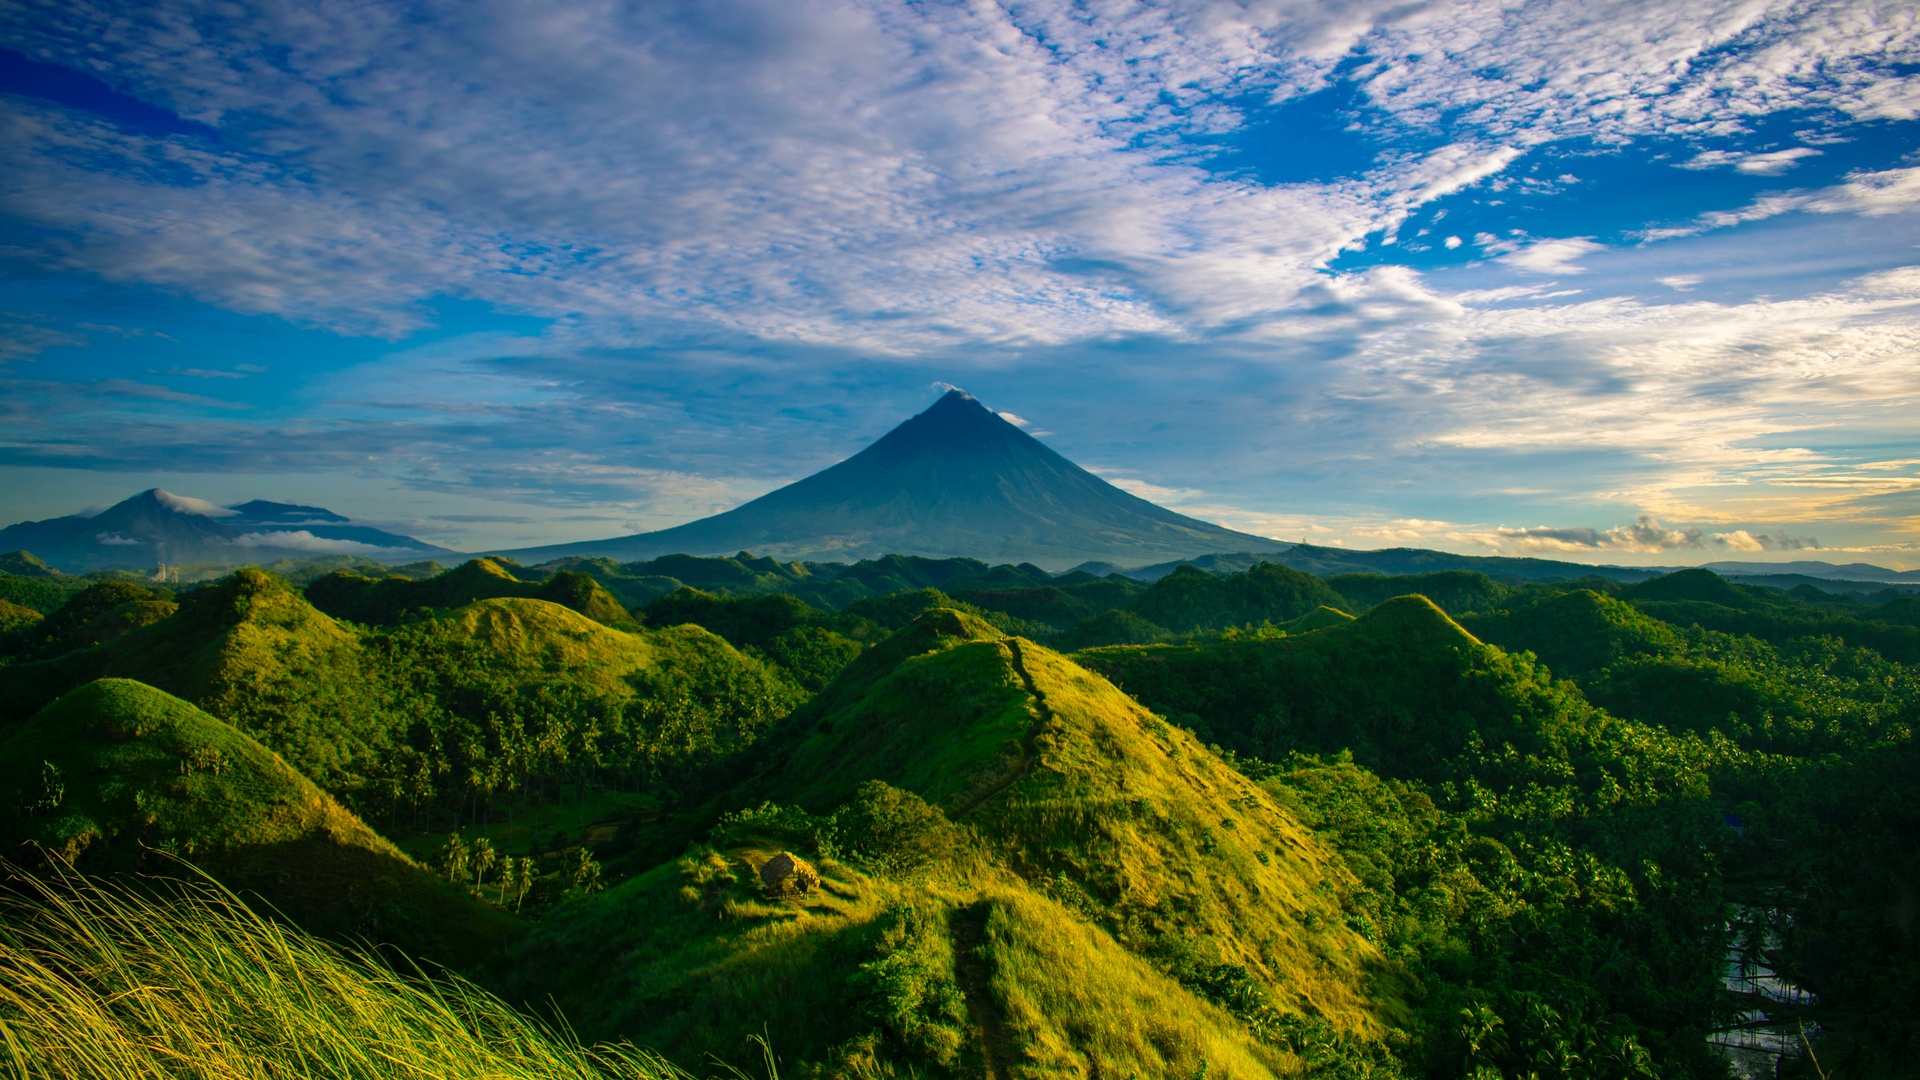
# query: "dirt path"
[[969, 928], [1043, 717]]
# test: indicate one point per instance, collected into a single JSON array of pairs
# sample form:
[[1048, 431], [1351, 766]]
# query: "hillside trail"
[[1030, 753], [969, 928]]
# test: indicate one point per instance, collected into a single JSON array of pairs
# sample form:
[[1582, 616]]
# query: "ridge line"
[[1043, 718]]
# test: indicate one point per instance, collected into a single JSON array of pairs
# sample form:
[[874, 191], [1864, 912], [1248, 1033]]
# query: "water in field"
[[1768, 1030]]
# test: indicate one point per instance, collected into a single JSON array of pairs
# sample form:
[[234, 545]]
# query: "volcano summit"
[[956, 480]]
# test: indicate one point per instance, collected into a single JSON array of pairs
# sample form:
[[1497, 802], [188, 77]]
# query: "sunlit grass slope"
[[116, 770], [110, 984], [959, 971], [1130, 820], [335, 699], [16, 622], [248, 649], [1319, 618]]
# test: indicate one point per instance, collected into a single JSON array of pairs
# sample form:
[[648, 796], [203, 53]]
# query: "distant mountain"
[[158, 526], [1809, 568], [1326, 562], [956, 480]]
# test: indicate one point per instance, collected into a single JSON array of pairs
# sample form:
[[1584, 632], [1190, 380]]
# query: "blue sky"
[[1622, 282]]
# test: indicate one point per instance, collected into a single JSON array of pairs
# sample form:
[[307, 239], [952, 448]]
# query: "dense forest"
[[939, 818]]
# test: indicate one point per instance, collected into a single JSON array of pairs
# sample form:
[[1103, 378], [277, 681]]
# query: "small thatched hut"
[[788, 873]]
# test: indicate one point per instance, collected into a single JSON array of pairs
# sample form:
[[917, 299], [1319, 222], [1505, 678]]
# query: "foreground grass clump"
[[184, 981]]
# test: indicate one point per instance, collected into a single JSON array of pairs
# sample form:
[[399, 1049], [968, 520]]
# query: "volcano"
[[956, 480], [158, 526]]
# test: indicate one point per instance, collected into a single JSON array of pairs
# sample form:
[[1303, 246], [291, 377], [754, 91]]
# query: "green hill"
[[808, 644], [1697, 586], [1388, 686], [1704, 599], [352, 596], [1319, 618], [1077, 784], [1190, 599], [97, 614], [1119, 900], [16, 624], [1112, 628], [250, 650], [116, 770], [1528, 854], [45, 595], [499, 696], [963, 972], [1577, 633], [26, 564], [1454, 590]]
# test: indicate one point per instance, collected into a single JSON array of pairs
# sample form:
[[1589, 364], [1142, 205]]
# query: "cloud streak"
[[820, 206], [1647, 535]]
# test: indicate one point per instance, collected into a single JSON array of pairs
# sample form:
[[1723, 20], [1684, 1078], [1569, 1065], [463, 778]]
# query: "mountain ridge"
[[156, 526], [956, 479]]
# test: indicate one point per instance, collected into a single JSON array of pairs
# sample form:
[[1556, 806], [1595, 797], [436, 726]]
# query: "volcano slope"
[[1088, 891], [115, 776], [955, 479]]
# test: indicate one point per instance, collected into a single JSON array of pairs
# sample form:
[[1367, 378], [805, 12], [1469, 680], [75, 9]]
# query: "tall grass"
[[99, 980]]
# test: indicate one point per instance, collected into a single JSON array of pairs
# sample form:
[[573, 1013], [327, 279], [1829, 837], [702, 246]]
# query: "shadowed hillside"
[[116, 773], [347, 595]]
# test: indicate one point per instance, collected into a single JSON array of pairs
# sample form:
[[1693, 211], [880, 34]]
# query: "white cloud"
[[950, 175], [1645, 535], [1551, 256], [186, 504], [1867, 193], [1753, 164], [964, 186], [303, 540]]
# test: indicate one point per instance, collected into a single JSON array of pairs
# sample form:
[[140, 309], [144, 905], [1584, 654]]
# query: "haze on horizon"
[[1623, 282]]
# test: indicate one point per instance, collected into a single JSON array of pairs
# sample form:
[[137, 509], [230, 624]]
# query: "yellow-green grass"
[[691, 957], [116, 771], [1319, 618], [1079, 1006], [1091, 798], [110, 983], [333, 697], [963, 971], [15, 622], [1166, 842], [249, 650]]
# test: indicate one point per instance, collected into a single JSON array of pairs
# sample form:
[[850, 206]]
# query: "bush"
[[894, 830]]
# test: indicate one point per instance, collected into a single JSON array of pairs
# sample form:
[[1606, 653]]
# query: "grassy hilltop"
[[939, 818], [116, 775]]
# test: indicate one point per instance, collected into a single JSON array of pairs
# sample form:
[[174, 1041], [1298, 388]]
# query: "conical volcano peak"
[[957, 479], [955, 398]]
